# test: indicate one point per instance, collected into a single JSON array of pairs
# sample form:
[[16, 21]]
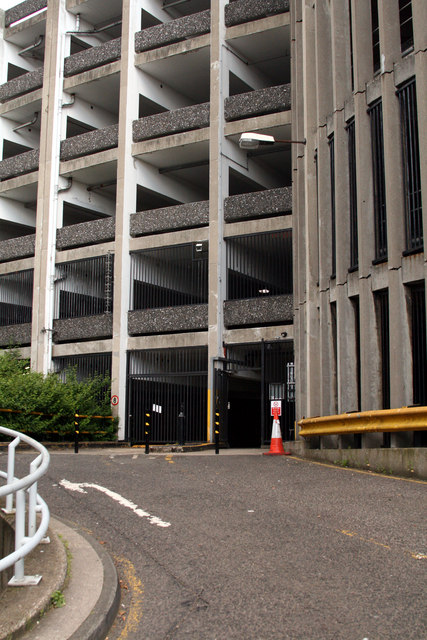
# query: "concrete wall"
[[246, 206], [86, 328], [239, 11], [19, 334], [161, 124], [405, 462], [20, 164], [94, 57], [23, 84], [255, 311], [23, 9], [173, 31], [258, 102], [85, 233], [192, 214], [15, 248], [168, 319], [91, 142]]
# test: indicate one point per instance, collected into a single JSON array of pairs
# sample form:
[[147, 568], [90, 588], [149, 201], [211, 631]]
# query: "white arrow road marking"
[[81, 486]]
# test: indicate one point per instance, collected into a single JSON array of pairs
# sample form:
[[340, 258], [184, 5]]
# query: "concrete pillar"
[[125, 205], [47, 194], [218, 180]]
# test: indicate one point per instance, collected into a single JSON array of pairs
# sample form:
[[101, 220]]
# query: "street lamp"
[[255, 140]]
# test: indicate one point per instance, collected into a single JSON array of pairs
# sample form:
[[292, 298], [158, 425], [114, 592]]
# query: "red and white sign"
[[276, 408], [114, 400]]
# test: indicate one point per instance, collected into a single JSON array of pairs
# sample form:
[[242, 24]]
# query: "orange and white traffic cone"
[[276, 445]]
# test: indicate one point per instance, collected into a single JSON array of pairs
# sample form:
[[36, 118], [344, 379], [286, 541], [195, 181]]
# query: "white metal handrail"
[[19, 487]]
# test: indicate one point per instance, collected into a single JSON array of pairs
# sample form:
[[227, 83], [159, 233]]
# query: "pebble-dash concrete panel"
[[183, 216], [245, 206], [15, 248], [173, 31], [23, 9], [19, 334], [242, 11], [86, 328], [22, 84], [20, 164], [92, 58], [168, 122], [258, 102], [192, 317], [256, 311], [91, 142], [85, 233]]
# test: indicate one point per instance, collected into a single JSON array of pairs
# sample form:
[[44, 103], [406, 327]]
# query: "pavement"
[[75, 565]]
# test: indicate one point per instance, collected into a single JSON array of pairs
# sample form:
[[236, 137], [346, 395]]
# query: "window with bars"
[[411, 165], [259, 265], [84, 287], [380, 209], [419, 343], [375, 26], [383, 323], [16, 297], [169, 276], [406, 25], [354, 250], [331, 141]]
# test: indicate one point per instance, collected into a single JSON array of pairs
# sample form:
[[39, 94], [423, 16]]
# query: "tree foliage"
[[45, 406]]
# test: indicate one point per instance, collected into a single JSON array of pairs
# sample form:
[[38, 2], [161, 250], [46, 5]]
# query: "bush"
[[47, 404]]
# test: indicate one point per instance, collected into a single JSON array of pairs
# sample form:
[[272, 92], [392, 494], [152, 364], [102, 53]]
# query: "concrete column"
[[47, 194], [218, 180], [311, 274], [327, 365], [125, 205]]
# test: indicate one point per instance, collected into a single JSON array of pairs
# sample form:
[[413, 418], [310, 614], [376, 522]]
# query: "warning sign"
[[276, 408], [114, 400]]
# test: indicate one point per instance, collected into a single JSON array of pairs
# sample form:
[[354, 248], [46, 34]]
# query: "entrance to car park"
[[246, 380]]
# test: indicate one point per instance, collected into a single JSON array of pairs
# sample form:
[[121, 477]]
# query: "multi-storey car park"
[[138, 238]]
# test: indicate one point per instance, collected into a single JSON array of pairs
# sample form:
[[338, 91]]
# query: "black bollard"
[[181, 426], [76, 433]]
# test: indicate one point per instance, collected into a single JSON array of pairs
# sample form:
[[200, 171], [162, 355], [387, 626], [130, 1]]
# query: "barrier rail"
[[19, 487], [388, 420]]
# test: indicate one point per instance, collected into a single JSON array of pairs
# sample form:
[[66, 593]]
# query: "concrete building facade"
[[359, 75], [137, 237]]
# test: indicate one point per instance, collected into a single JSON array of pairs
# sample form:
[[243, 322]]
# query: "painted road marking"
[[80, 487], [351, 534]]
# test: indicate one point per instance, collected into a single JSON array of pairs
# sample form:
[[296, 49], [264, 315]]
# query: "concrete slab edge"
[[98, 623], [42, 605]]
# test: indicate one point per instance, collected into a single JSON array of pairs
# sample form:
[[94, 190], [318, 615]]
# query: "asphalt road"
[[249, 547]]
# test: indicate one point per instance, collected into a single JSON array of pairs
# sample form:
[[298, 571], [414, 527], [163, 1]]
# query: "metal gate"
[[272, 364], [164, 403]]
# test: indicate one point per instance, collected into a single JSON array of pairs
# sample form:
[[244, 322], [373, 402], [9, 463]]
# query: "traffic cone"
[[276, 445]]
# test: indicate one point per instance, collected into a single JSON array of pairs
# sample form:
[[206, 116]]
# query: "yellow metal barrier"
[[392, 420]]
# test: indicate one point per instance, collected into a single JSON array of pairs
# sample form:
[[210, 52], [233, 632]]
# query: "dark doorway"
[[244, 413], [246, 381]]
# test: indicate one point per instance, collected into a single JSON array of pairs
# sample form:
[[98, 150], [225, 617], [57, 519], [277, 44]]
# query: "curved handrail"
[[18, 487]]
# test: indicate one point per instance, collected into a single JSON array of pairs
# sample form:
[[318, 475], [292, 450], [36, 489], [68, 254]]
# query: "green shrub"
[[53, 401]]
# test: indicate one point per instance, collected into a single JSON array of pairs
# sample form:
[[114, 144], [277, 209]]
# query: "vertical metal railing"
[[16, 297], [331, 141], [84, 287], [166, 383], [259, 265], [412, 169], [354, 239], [18, 489], [419, 344], [406, 25], [169, 276], [380, 210]]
